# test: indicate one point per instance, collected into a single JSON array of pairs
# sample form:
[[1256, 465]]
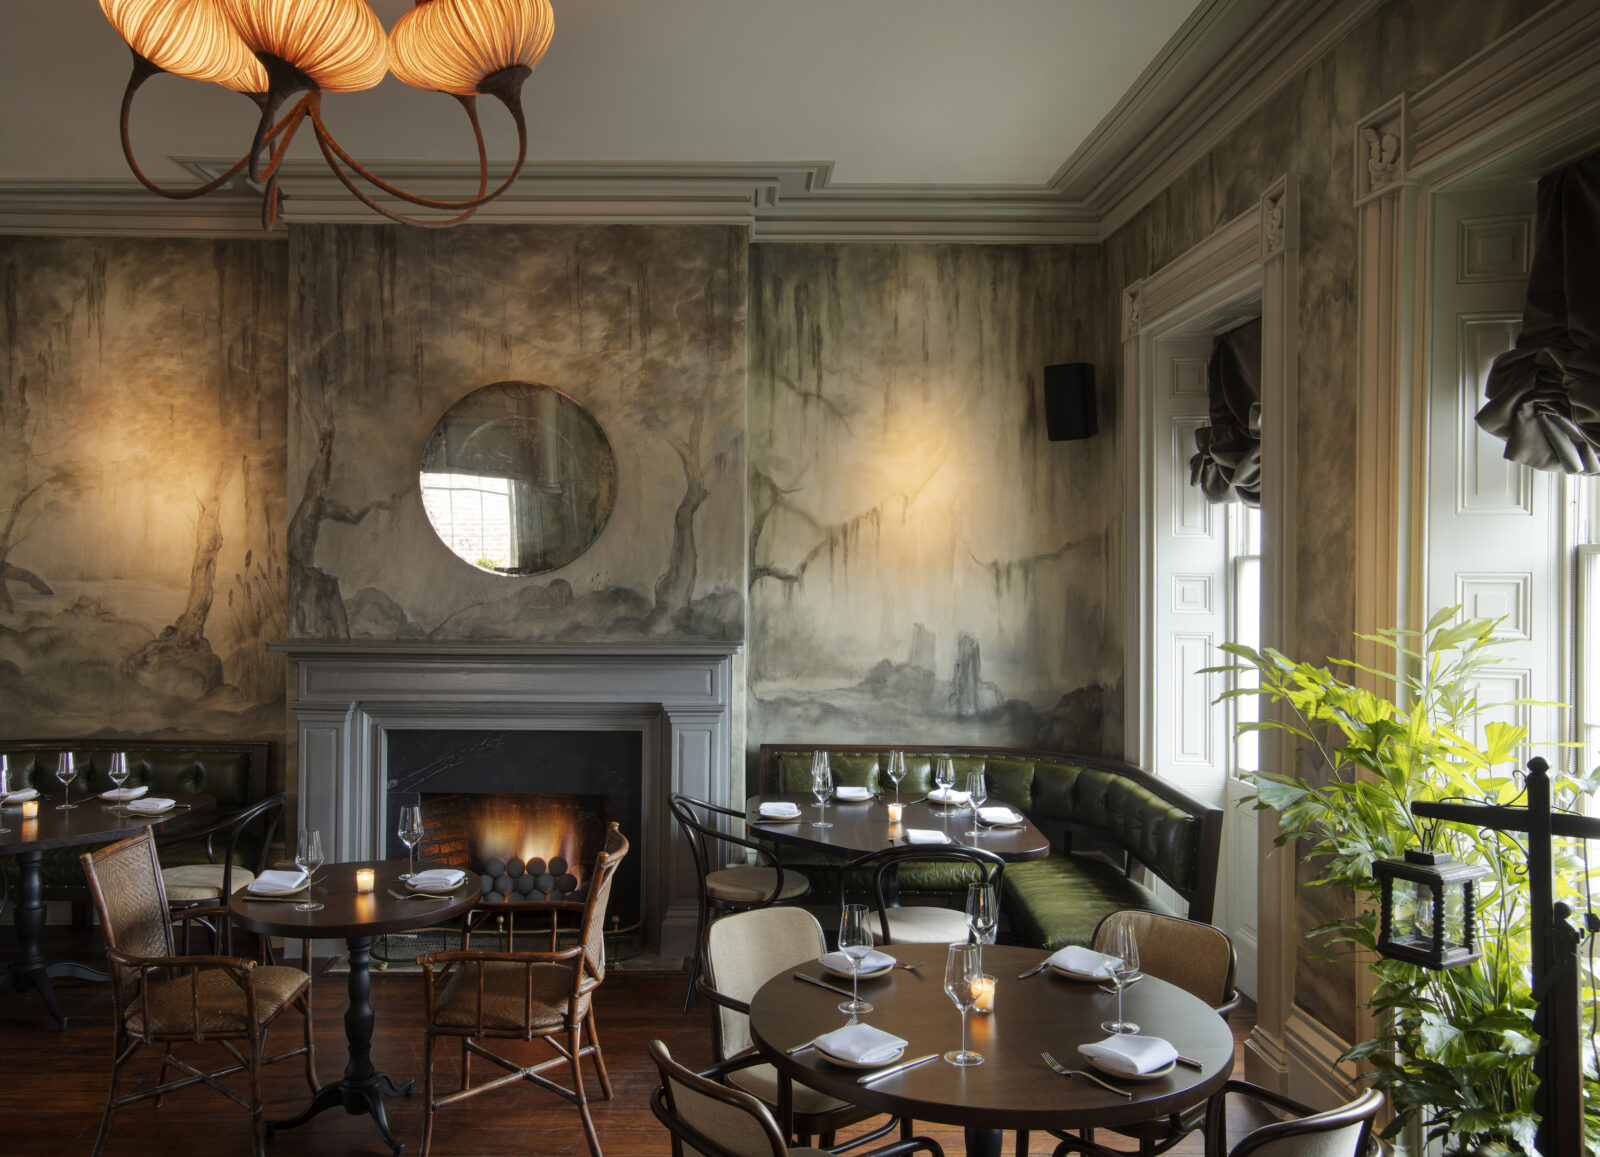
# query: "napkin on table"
[[998, 815], [1084, 961], [150, 803], [125, 792], [22, 796], [780, 811], [1131, 1054], [871, 962], [949, 795], [848, 791], [925, 836], [861, 1044], [437, 878], [274, 881]]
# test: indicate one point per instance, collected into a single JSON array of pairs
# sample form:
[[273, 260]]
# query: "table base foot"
[[983, 1142], [365, 1097], [37, 978]]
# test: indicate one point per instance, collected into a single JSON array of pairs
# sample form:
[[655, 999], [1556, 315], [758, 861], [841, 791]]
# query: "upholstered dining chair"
[[161, 998], [732, 889], [245, 834], [742, 952], [923, 923], [543, 995], [705, 1117], [1342, 1132], [1197, 958]]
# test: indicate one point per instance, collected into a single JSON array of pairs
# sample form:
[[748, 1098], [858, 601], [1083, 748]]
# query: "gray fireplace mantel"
[[678, 696]]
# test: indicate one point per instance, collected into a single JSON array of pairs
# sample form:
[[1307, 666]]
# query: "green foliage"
[[1457, 1046]]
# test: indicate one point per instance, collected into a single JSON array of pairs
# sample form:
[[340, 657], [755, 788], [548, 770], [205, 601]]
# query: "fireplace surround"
[[677, 696]]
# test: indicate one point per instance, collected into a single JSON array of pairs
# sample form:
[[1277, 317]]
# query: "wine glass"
[[66, 772], [308, 858], [855, 941], [410, 834], [978, 789], [983, 916], [821, 786], [961, 972], [5, 782], [944, 775], [897, 771], [1124, 969]]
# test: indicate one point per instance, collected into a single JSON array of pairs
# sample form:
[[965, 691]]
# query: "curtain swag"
[[1544, 394], [1228, 465]]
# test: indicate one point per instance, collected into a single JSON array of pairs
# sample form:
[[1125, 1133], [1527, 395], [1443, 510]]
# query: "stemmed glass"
[[978, 789], [961, 972], [855, 941], [1124, 969], [410, 834], [944, 775], [821, 786], [983, 916], [897, 771], [66, 772], [5, 782], [117, 773], [308, 858]]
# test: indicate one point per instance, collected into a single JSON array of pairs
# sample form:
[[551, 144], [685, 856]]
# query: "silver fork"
[[910, 967], [1066, 1072], [416, 896]]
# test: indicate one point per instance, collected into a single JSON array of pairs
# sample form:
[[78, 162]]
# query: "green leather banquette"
[[1104, 819]]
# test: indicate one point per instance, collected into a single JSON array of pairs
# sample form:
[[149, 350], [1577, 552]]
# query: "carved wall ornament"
[[1380, 150], [1383, 157], [1130, 312], [1280, 217]]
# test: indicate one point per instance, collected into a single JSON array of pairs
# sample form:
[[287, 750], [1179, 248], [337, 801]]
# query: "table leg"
[[983, 1142], [31, 968], [363, 1088]]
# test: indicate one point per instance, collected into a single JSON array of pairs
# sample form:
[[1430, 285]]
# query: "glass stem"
[[855, 982], [1120, 1021], [963, 1034]]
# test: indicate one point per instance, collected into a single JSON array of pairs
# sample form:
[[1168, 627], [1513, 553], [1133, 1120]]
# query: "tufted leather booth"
[[236, 773], [1104, 818]]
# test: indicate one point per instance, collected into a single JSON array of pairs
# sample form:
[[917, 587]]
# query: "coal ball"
[[567, 882], [494, 898], [503, 884], [535, 867], [495, 867], [546, 883], [525, 885], [514, 867], [486, 883], [557, 865]]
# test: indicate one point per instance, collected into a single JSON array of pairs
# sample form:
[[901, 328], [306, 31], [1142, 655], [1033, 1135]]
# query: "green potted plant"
[[1455, 1048]]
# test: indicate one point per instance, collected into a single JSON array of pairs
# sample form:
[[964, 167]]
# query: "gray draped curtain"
[[1544, 394], [1227, 467]]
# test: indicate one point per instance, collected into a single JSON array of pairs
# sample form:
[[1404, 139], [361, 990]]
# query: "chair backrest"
[[885, 864], [1342, 1132], [598, 888], [125, 882], [743, 951], [711, 1119], [1196, 957], [705, 836]]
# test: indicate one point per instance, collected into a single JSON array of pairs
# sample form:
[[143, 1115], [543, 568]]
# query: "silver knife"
[[1088, 1076], [823, 984], [1034, 971], [893, 1069]]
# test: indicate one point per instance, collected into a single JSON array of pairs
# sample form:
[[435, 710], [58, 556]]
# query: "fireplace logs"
[[513, 881]]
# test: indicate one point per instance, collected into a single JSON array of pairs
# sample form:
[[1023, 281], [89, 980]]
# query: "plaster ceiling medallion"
[[284, 54]]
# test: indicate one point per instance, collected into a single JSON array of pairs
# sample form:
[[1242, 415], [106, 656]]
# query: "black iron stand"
[[363, 1088], [32, 969], [1559, 1065]]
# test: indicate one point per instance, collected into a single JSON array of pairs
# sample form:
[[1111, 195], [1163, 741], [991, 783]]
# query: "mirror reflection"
[[517, 478]]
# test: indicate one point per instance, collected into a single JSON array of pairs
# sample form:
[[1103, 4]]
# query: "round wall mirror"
[[517, 478]]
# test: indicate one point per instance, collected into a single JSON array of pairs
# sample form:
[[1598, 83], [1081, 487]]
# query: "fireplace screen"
[[523, 847]]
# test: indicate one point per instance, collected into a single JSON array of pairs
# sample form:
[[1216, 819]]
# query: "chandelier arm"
[[283, 81], [333, 158], [287, 126], [143, 70]]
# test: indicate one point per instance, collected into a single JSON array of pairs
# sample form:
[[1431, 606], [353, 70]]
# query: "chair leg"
[[258, 1120], [1022, 1143], [118, 1055], [161, 1073], [310, 1042], [574, 1041], [599, 1058], [427, 1094], [466, 1065], [699, 947]]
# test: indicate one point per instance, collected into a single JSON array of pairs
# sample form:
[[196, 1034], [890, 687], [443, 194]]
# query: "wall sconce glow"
[[273, 51]]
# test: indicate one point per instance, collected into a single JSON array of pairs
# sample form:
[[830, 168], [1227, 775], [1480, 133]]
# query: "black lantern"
[[1429, 913]]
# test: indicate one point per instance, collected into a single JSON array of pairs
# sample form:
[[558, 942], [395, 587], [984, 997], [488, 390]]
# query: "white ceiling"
[[995, 94]]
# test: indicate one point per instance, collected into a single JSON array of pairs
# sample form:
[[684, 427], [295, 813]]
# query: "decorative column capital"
[[1381, 150]]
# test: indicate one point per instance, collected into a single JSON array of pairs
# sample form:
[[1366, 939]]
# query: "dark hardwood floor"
[[53, 1083]]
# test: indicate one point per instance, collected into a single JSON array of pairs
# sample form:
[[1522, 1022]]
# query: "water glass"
[[983, 915], [66, 772], [5, 782], [855, 941], [117, 773], [978, 789], [821, 786], [897, 771], [308, 858], [410, 834], [944, 775], [962, 973], [1124, 947]]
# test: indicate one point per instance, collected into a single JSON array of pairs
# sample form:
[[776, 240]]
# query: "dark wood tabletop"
[[1013, 1088], [863, 826], [93, 822], [348, 913]]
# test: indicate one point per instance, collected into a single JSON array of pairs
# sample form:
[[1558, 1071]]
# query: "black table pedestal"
[[363, 1088], [31, 968]]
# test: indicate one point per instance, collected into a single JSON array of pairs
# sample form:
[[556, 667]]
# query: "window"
[[477, 510]]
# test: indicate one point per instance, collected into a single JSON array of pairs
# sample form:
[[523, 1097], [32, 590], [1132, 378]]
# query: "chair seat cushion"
[[190, 883], [753, 885], [761, 1082], [515, 995], [1059, 901], [221, 1001], [926, 925]]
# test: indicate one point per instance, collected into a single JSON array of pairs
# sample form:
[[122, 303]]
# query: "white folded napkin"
[[22, 796], [1131, 1054], [925, 836], [998, 815], [861, 1044], [780, 811], [871, 962], [275, 882], [848, 792], [125, 792], [949, 795], [1083, 961], [437, 878], [150, 803]]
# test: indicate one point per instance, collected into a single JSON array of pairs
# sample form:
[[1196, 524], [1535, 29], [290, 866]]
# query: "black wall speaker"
[[1069, 412]]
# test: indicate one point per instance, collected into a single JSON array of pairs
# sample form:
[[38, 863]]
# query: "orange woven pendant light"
[[339, 44], [452, 45], [189, 38]]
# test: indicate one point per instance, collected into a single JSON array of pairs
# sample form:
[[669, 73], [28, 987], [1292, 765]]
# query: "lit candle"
[[983, 993], [364, 879], [30, 809], [895, 812]]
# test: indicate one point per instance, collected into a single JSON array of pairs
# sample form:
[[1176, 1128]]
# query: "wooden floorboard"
[[53, 1083]]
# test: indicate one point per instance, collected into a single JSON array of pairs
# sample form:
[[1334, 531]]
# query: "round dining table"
[[358, 917], [860, 826], [1014, 1088], [91, 821]]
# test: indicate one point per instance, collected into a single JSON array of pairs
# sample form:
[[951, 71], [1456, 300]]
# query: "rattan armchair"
[[1342, 1132], [191, 886], [161, 998], [482, 996]]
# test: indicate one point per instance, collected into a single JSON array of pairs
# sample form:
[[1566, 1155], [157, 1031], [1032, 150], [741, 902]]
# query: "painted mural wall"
[[141, 488], [924, 566], [643, 326], [1308, 128]]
